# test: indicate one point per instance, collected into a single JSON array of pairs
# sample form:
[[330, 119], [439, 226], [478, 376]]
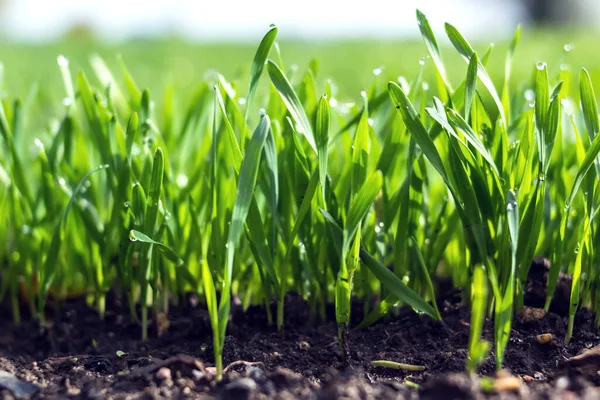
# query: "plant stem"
[[280, 308], [14, 298]]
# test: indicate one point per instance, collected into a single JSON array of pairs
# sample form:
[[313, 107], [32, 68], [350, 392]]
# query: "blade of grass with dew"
[[48, 270], [245, 193], [576, 280], [434, 51], [425, 273], [358, 209], [505, 306]]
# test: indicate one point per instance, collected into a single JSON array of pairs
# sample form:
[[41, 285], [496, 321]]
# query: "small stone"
[[163, 374], [544, 338], [304, 345], [511, 384], [528, 378], [242, 388]]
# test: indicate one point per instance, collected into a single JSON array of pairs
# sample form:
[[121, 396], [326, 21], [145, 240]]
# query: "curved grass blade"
[[416, 128], [48, 271], [322, 140], [360, 205], [244, 196], [588, 104], [395, 285], [258, 65], [466, 51], [137, 236], [471, 84], [425, 273], [432, 47], [292, 102]]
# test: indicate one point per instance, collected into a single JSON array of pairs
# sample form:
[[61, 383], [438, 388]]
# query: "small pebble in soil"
[[163, 375], [544, 338], [303, 345], [528, 378], [505, 382], [242, 388]]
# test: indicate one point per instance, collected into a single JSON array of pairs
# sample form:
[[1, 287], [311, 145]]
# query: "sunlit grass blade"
[[245, 193], [433, 48], [395, 285], [292, 103], [466, 51], [322, 140], [262, 53], [478, 348], [471, 84]]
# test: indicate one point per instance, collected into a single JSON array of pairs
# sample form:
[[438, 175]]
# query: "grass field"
[[261, 178], [156, 63]]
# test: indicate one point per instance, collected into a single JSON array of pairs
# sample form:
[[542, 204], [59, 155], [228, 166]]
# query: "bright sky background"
[[248, 19]]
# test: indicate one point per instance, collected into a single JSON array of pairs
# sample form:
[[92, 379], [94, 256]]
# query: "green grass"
[[264, 179]]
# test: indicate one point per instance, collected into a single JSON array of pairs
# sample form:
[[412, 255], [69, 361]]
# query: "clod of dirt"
[[21, 390], [452, 387], [537, 283], [587, 363], [572, 387], [530, 314]]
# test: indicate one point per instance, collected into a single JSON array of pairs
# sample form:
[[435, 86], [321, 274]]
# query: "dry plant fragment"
[[397, 365]]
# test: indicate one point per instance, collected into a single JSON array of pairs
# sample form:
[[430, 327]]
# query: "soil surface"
[[82, 356]]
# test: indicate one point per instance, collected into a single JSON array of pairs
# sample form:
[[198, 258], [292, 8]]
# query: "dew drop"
[[67, 101], [541, 177], [422, 61], [132, 236], [61, 181], [62, 61], [370, 121], [541, 66], [242, 101], [262, 112], [182, 180], [425, 86], [512, 205], [377, 71], [39, 143], [529, 95], [568, 47], [333, 102], [363, 93]]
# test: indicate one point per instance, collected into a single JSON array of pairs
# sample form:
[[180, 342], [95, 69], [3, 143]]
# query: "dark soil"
[[76, 356]]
